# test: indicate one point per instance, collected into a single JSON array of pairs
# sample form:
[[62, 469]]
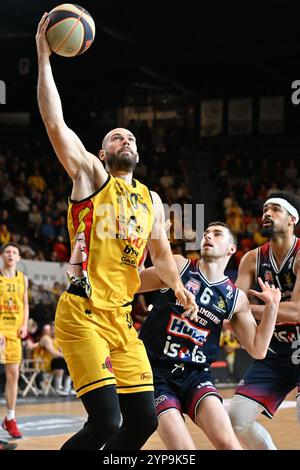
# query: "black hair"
[[289, 197], [222, 224]]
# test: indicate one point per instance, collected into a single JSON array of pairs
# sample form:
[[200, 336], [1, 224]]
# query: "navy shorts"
[[183, 389], [269, 380]]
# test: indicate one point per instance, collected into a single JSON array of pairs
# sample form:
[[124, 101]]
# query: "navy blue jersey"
[[170, 338], [283, 278]]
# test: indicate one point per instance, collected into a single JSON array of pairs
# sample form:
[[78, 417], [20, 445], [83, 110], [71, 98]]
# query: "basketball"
[[71, 30]]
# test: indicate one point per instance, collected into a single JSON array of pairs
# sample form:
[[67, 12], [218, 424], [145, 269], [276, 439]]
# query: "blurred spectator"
[[26, 251], [7, 191], [61, 228], [31, 299], [36, 181], [228, 201], [5, 235], [31, 341], [258, 238], [57, 289], [234, 217], [61, 250], [249, 190], [62, 205], [166, 180], [40, 256], [48, 232], [34, 220], [291, 172], [272, 189], [43, 296], [22, 205], [252, 226], [6, 219], [53, 360]]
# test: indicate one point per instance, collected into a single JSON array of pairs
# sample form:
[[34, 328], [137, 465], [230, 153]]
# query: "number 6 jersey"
[[170, 337]]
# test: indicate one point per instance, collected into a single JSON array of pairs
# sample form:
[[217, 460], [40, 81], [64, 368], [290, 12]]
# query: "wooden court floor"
[[283, 428]]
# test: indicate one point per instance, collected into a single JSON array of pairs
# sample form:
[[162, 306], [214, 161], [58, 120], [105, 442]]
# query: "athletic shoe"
[[12, 428]]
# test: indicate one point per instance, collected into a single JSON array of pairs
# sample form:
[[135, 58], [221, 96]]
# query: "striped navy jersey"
[[170, 338], [284, 278]]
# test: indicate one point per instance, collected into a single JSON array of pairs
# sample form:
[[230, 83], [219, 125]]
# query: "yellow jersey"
[[108, 233], [12, 290]]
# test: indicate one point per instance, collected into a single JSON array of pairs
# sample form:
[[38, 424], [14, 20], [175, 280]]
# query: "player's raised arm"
[[68, 147], [256, 338]]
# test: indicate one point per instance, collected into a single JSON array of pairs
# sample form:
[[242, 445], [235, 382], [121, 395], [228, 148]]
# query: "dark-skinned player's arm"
[[256, 338]]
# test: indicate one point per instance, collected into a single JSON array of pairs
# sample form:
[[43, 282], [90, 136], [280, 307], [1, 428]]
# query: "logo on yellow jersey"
[[146, 376], [129, 320], [107, 364]]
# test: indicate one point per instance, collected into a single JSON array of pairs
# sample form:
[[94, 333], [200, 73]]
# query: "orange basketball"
[[71, 30]]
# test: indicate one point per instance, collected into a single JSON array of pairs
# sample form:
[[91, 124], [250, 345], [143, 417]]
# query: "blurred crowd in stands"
[[242, 186]]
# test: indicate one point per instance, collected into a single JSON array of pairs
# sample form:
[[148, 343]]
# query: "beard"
[[268, 231], [122, 161]]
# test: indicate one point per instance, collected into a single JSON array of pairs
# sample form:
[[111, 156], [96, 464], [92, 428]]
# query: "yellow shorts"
[[12, 352], [101, 347]]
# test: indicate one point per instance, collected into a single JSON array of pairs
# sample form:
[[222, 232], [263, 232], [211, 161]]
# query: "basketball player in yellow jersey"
[[13, 328], [111, 219]]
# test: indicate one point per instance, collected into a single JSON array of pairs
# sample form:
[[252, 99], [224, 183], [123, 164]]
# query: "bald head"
[[118, 130], [119, 151]]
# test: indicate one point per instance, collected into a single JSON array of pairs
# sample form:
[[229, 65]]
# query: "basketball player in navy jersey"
[[181, 350], [268, 381]]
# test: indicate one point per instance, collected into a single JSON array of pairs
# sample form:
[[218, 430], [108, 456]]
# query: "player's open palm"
[[269, 293], [41, 41]]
